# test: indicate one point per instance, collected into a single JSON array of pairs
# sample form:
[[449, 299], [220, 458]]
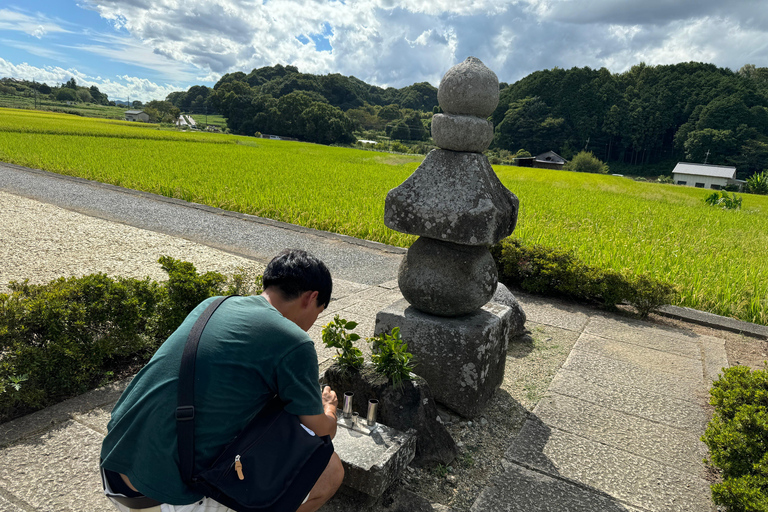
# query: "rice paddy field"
[[717, 258]]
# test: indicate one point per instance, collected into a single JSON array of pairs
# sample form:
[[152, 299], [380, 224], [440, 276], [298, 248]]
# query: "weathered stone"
[[454, 197], [410, 407], [461, 358], [462, 133], [503, 296], [469, 88], [373, 462], [447, 279]]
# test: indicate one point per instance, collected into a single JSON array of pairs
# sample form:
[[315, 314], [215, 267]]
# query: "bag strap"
[[185, 410]]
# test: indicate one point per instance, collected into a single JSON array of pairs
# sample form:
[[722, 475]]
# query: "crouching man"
[[252, 349]]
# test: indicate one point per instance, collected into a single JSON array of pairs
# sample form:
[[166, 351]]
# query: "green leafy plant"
[[336, 335], [390, 356], [737, 438], [758, 183], [724, 200]]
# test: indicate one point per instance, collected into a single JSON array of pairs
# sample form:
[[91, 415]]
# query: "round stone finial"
[[469, 88]]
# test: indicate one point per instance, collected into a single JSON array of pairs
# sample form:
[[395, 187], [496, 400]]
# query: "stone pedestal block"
[[454, 197], [461, 358], [446, 279], [373, 462], [462, 133]]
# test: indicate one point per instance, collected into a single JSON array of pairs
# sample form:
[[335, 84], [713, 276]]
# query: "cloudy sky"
[[144, 49]]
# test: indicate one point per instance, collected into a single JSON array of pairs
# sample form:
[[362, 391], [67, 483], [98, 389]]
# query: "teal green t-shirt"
[[248, 353]]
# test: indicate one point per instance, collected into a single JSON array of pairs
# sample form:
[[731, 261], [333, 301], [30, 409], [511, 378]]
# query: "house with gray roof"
[[715, 177]]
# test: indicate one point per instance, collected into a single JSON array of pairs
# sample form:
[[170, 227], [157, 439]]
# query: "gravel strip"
[[42, 242]]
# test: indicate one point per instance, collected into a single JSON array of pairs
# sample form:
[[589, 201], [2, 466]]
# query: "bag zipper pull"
[[239, 468]]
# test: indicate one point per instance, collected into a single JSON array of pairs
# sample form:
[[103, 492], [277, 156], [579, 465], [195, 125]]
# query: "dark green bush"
[[554, 272], [63, 338], [737, 438], [62, 334], [184, 290]]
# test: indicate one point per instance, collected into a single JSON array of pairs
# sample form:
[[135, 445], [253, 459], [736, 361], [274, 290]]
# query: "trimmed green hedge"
[[63, 338], [545, 271], [737, 438]]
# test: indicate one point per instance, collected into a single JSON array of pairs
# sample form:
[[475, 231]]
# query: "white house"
[[716, 177], [136, 115]]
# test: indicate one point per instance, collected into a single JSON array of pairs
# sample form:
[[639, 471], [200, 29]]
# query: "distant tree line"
[[68, 91], [692, 111], [318, 108]]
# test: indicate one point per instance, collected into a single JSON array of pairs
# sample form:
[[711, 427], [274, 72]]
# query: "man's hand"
[[330, 400], [324, 424]]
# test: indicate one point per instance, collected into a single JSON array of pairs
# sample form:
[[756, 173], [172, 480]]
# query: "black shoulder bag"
[[270, 467]]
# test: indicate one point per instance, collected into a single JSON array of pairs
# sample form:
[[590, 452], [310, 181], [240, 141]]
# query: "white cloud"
[[120, 88], [35, 25]]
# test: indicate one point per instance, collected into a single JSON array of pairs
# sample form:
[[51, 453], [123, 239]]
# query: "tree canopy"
[[692, 111]]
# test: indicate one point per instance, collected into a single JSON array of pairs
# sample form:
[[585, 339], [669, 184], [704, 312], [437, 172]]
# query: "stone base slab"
[[461, 358], [373, 462]]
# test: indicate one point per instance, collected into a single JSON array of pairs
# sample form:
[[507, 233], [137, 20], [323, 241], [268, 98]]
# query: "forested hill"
[[319, 108], [693, 111]]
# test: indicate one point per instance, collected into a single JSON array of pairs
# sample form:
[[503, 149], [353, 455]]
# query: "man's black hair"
[[294, 272]]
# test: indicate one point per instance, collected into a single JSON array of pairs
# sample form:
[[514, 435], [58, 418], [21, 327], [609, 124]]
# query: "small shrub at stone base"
[[335, 335], [390, 356], [737, 438]]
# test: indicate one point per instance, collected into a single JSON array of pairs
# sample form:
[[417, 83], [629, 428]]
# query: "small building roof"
[[715, 171], [551, 156], [134, 112]]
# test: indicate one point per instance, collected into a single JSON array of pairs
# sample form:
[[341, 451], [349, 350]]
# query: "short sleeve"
[[297, 381]]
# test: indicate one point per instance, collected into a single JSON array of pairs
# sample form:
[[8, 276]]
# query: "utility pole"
[[34, 86], [587, 144], [706, 157]]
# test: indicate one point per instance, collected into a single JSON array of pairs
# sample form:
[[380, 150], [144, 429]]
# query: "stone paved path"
[[620, 427]]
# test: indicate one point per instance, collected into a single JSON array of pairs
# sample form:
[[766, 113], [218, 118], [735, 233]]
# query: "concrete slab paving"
[[634, 479], [677, 413], [591, 364], [671, 446], [56, 470], [9, 506], [554, 313], [657, 338], [643, 358], [520, 489]]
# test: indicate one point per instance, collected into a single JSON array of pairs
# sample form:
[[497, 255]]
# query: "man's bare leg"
[[326, 486]]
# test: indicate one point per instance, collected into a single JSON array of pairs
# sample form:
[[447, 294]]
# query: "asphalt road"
[[257, 238]]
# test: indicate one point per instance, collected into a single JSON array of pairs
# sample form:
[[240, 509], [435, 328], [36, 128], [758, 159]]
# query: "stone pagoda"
[[458, 208]]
